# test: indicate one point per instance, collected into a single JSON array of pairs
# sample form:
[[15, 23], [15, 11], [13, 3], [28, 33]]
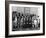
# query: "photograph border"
[[7, 18]]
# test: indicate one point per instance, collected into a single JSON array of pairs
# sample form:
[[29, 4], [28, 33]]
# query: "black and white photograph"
[[25, 19]]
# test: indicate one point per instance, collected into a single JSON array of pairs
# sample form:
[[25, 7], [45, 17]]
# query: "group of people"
[[25, 20]]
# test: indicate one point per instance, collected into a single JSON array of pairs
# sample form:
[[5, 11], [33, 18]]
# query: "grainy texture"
[[25, 18]]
